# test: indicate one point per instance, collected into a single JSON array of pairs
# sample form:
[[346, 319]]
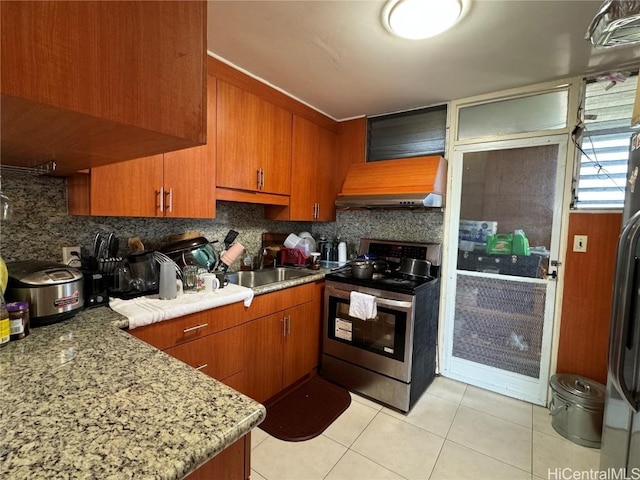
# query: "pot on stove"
[[415, 268], [362, 268]]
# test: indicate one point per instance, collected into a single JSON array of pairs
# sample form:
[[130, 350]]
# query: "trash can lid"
[[587, 390]]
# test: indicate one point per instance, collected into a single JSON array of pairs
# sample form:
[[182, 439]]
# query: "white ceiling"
[[337, 57]]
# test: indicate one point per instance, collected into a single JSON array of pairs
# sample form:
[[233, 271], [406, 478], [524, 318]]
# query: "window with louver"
[[407, 134], [605, 144]]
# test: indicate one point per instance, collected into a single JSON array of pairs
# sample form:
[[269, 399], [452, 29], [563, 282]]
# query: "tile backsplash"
[[40, 225]]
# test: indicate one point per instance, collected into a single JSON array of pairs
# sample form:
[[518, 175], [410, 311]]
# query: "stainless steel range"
[[390, 358]]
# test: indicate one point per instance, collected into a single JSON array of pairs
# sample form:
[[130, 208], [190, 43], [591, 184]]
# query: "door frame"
[[575, 87], [519, 383]]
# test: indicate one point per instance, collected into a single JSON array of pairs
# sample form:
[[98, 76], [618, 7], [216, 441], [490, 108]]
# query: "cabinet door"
[[263, 356], [304, 184], [302, 342], [325, 178], [219, 355], [252, 134], [189, 184], [130, 188], [313, 188], [189, 174], [101, 81]]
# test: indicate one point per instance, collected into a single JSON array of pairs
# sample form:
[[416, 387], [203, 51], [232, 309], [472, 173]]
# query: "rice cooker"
[[54, 290]]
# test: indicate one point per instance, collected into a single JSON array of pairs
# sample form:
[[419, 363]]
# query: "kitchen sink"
[[258, 278]]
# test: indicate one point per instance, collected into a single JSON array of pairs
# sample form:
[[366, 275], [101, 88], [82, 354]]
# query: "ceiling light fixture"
[[418, 19]]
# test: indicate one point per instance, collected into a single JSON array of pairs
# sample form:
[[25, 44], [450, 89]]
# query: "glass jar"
[[18, 319]]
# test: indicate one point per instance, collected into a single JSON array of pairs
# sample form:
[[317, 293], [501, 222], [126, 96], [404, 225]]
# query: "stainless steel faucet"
[[261, 256]]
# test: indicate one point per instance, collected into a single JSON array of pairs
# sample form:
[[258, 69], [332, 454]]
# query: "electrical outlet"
[[580, 243], [71, 256]]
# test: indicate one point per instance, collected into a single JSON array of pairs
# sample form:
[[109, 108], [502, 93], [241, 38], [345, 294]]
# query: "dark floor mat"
[[307, 411]]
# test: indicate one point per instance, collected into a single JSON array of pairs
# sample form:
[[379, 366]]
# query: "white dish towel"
[[362, 306], [150, 309]]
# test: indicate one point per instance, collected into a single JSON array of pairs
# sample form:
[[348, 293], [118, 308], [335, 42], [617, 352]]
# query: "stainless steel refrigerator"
[[621, 427]]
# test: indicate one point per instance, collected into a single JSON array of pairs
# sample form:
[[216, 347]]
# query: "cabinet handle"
[[170, 202], [161, 199], [258, 178], [202, 366], [197, 327], [286, 325], [317, 211]]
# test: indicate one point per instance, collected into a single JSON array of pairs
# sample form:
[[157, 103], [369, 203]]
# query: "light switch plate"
[[580, 243]]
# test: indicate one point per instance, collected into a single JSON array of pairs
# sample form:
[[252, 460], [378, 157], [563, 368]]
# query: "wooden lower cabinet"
[[218, 355], [263, 357], [301, 343], [252, 350], [233, 463], [281, 349]]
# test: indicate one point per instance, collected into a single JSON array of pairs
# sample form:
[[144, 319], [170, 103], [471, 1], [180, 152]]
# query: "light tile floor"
[[455, 431]]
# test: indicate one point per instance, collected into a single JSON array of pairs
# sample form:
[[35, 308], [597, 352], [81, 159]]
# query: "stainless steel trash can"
[[577, 407]]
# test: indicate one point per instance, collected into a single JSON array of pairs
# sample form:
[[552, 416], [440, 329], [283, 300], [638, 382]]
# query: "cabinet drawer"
[[281, 300], [169, 333], [218, 355]]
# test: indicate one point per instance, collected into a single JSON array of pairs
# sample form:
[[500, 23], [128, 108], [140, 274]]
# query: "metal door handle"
[[623, 297], [261, 178], [200, 367], [392, 303], [287, 322], [258, 178]]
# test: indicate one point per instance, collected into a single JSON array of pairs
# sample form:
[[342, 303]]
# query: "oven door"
[[383, 345]]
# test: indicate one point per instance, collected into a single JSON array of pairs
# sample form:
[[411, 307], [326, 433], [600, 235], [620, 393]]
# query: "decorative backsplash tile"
[[40, 225]]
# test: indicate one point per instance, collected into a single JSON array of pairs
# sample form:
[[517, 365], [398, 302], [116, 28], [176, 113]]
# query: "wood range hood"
[[418, 182]]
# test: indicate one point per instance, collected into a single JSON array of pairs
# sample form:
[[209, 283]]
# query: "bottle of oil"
[[5, 327]]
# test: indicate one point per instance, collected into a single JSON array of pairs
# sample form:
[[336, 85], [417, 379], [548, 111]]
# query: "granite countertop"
[[294, 282], [84, 399]]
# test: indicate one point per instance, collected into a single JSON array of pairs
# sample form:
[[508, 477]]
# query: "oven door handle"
[[392, 303]]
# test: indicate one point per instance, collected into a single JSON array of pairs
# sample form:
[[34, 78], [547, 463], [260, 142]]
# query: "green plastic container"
[[520, 244], [500, 244]]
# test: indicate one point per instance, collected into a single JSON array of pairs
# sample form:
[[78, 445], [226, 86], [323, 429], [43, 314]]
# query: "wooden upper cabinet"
[[93, 83], [254, 143], [314, 161], [130, 188], [177, 184]]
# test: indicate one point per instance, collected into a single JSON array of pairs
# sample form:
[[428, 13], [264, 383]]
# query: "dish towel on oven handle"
[[362, 306]]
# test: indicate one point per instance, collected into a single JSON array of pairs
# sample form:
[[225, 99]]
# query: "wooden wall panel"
[[588, 291]]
